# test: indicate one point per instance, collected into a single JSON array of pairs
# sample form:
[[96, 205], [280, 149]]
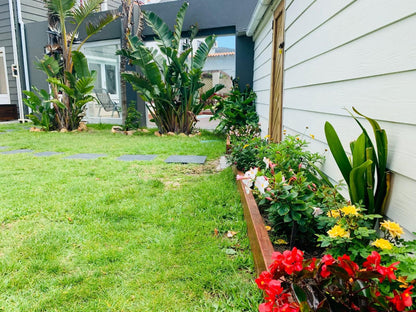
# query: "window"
[[4, 88]]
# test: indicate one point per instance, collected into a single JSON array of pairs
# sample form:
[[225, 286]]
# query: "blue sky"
[[226, 41]]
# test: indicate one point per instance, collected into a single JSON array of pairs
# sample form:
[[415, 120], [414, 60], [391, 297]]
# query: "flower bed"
[[260, 243]]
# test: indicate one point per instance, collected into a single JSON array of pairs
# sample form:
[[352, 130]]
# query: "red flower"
[[403, 300], [350, 266], [326, 260], [373, 261], [263, 280], [311, 266], [388, 271], [290, 261]]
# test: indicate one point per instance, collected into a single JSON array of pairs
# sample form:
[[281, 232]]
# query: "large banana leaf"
[[202, 53], [358, 182], [338, 152], [160, 28], [80, 64], [179, 24]]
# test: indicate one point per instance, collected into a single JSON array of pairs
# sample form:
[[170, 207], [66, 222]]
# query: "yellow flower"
[[267, 136], [350, 210], [382, 243], [281, 242], [338, 231], [245, 146], [333, 213], [312, 136], [268, 228], [394, 228]]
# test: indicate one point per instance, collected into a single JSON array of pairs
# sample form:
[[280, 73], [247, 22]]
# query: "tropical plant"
[[236, 110], [359, 173], [129, 27], [70, 80], [170, 80], [132, 119]]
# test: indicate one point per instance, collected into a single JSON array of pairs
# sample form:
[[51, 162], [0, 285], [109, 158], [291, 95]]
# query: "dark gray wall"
[[209, 14]]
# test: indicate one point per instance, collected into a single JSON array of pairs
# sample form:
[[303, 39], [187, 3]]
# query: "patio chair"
[[106, 102]]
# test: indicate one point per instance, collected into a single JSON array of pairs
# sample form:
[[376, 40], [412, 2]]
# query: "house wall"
[[33, 10], [6, 42], [340, 54]]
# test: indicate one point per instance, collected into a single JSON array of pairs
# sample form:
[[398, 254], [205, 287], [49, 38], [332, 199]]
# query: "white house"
[[314, 58]]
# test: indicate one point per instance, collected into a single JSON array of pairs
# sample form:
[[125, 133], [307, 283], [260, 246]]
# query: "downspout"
[[257, 15], [16, 60], [23, 43]]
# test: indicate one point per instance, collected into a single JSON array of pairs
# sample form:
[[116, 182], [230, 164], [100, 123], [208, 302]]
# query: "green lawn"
[[106, 235]]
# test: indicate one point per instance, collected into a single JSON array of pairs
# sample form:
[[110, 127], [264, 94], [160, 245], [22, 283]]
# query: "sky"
[[226, 42]]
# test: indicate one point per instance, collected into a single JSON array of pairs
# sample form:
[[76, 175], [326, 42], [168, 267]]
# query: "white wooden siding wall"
[[33, 11], [344, 53], [263, 52]]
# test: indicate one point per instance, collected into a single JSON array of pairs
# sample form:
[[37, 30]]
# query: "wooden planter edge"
[[261, 246]]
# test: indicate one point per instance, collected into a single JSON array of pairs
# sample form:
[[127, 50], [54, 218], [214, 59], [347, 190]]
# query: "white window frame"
[[5, 97]]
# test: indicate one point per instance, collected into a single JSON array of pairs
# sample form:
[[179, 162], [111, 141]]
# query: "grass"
[[106, 235]]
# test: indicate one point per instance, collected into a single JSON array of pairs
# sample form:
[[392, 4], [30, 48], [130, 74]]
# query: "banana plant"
[[66, 67], [170, 77], [366, 161]]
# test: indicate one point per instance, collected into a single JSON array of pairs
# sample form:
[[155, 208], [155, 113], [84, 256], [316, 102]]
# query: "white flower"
[[252, 173], [248, 183], [261, 183], [317, 211], [267, 162]]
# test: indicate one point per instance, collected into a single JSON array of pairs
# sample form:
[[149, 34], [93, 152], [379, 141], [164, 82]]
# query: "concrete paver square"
[[46, 154], [136, 157], [85, 156], [19, 151], [186, 159]]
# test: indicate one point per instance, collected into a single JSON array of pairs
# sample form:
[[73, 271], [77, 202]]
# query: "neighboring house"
[[313, 58], [15, 16]]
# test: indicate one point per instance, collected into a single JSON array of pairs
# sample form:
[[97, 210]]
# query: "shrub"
[[236, 110], [132, 119]]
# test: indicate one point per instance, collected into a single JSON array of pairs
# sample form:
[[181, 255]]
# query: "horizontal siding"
[[6, 42], [113, 4], [345, 53], [262, 70], [33, 11], [334, 32], [362, 54]]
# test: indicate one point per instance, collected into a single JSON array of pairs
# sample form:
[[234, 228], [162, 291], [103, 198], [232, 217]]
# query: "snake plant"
[[365, 173]]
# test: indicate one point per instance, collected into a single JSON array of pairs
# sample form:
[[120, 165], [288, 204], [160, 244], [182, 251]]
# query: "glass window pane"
[[97, 68], [110, 78]]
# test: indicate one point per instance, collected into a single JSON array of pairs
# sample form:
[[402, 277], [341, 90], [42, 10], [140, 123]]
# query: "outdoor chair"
[[106, 102]]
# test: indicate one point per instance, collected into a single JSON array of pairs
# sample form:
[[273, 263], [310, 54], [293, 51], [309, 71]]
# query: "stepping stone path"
[[19, 151], [136, 157], [46, 154], [85, 156], [182, 159], [186, 159]]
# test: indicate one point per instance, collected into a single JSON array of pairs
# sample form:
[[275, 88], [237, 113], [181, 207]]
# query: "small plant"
[[43, 113], [236, 110], [359, 173], [332, 284], [132, 119]]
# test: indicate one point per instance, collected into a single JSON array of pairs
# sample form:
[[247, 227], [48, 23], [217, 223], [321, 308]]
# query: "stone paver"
[[136, 157], [186, 159], [3, 147], [85, 156], [19, 151], [46, 154]]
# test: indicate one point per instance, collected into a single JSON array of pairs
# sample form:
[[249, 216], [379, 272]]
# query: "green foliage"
[[67, 72], [43, 113], [359, 173], [132, 119], [169, 80], [236, 110], [354, 234]]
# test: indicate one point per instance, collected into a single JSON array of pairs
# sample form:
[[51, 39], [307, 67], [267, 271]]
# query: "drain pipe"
[[258, 13], [23, 43], [15, 66]]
